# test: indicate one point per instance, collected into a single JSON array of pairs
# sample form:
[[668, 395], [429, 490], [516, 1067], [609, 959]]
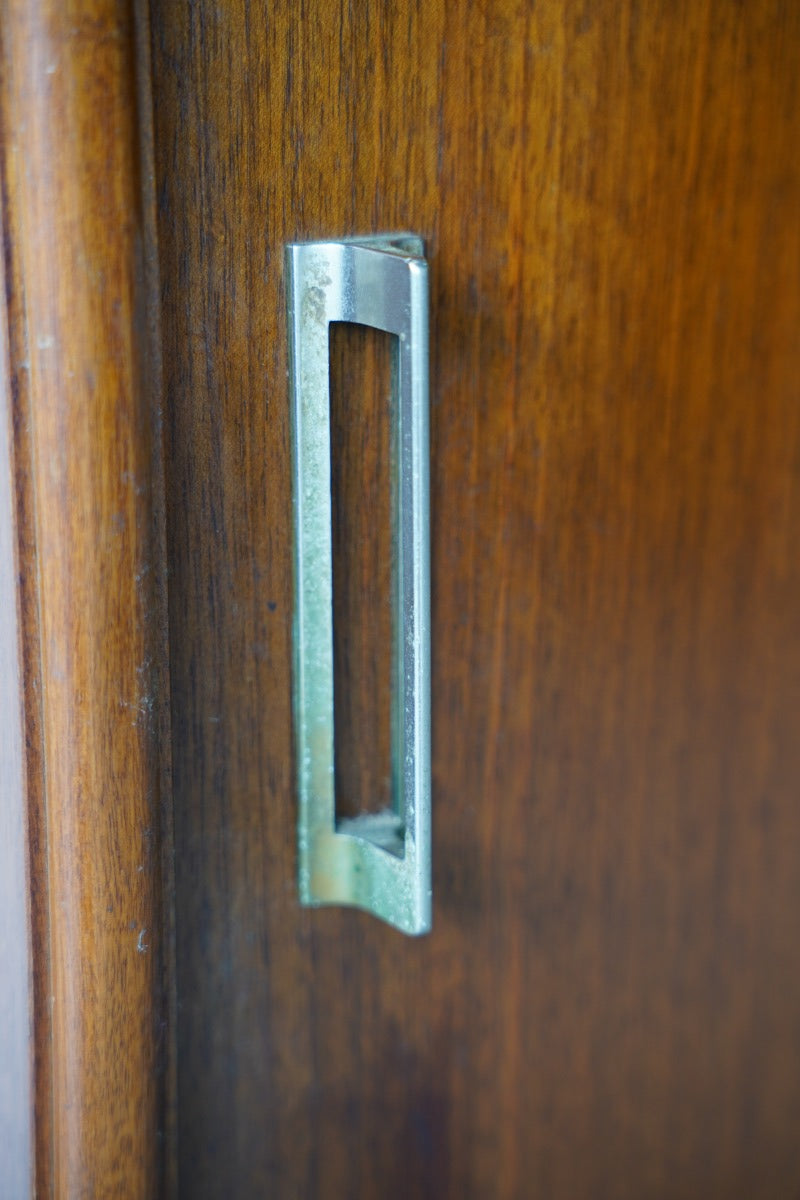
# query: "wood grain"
[[361, 488], [80, 265], [609, 1004]]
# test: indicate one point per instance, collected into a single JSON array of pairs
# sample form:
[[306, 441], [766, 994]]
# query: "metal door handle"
[[380, 862]]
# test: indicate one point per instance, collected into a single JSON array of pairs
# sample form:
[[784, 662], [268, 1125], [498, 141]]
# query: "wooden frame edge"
[[84, 381]]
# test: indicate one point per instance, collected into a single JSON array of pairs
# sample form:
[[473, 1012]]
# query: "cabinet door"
[[609, 1002]]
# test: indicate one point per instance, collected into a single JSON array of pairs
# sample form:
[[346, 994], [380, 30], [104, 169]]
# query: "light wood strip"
[[78, 220]]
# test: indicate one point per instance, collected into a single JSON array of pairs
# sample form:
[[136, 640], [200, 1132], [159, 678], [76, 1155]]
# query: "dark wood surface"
[[609, 1003], [361, 515], [83, 390]]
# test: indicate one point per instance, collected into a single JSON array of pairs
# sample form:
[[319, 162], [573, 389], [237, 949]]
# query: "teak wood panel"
[[609, 1003], [81, 307]]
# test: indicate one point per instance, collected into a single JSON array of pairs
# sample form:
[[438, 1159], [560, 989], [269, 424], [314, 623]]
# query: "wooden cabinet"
[[609, 1002]]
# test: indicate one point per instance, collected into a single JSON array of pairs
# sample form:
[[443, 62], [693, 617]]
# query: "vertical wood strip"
[[79, 217]]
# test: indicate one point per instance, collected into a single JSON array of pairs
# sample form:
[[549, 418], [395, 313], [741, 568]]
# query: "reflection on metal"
[[380, 862]]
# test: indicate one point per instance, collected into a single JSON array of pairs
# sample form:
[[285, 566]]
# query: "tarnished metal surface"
[[380, 862]]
